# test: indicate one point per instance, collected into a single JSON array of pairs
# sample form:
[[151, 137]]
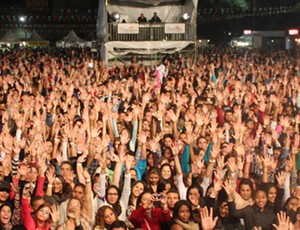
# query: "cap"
[[4, 186]]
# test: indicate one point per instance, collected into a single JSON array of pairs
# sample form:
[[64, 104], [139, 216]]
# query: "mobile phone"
[[159, 196]]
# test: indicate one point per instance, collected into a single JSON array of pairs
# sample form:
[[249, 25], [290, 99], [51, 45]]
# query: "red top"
[[28, 219], [140, 219]]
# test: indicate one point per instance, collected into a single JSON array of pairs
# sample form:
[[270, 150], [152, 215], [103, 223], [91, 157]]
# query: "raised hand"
[[55, 214], [284, 222], [207, 220]]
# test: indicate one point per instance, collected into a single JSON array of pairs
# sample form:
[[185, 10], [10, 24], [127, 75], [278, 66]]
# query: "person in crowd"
[[155, 18], [146, 216], [226, 115], [105, 217], [182, 216], [142, 19]]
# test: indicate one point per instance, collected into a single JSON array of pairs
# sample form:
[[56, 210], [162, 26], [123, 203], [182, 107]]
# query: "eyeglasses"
[[112, 194], [74, 205], [45, 211]]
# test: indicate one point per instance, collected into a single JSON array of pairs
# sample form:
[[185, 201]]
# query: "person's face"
[[4, 195], [166, 172], [112, 196], [65, 169], [184, 213], [32, 174], [138, 189], [245, 191], [148, 117], [167, 153], [57, 186], [261, 199], [172, 199], [293, 204], [43, 214], [5, 215], [48, 147], [36, 204], [133, 174], [78, 193], [147, 199], [272, 194], [73, 208], [202, 143], [194, 194], [168, 142], [183, 137], [228, 117], [109, 216], [223, 210], [150, 160], [153, 178]]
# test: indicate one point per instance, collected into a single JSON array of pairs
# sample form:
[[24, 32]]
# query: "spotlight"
[[22, 18], [186, 16], [115, 16]]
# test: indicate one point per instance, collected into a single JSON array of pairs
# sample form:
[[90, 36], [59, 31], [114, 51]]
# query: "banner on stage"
[[175, 28], [128, 28]]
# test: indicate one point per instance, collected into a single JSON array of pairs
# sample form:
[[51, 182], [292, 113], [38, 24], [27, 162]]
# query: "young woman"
[[182, 217], [146, 216], [137, 189], [75, 219], [166, 172], [244, 197], [105, 217], [153, 179], [259, 214], [5, 217], [44, 217]]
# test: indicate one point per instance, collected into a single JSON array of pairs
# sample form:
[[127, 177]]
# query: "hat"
[[4, 186]]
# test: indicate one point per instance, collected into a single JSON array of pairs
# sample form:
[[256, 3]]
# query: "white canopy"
[[72, 37], [9, 37]]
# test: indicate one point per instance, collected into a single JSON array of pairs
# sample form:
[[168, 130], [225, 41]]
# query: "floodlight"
[[22, 18], [115, 16], [186, 16]]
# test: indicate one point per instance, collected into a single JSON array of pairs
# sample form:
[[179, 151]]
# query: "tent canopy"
[[35, 37], [9, 37], [72, 37]]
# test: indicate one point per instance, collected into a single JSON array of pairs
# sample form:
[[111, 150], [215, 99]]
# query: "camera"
[[159, 196]]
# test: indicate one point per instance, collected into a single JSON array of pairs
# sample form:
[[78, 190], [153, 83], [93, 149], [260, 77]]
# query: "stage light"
[[115, 16], [186, 16], [22, 18]]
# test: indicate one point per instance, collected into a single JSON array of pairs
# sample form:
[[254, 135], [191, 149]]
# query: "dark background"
[[219, 20]]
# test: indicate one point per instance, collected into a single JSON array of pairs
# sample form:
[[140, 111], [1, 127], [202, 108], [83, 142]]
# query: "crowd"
[[205, 143]]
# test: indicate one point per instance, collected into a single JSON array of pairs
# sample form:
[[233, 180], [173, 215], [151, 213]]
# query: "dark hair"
[[194, 186], [162, 185], [168, 165], [118, 224], [178, 205], [246, 182], [139, 200], [131, 194], [19, 227], [116, 206]]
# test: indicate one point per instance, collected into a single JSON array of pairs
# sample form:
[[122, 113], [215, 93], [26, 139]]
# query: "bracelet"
[[49, 185], [212, 160], [79, 163], [88, 181]]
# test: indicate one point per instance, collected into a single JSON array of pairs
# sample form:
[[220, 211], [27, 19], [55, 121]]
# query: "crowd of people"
[[204, 143]]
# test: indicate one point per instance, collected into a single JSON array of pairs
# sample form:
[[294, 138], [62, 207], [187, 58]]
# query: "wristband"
[[88, 181], [49, 185]]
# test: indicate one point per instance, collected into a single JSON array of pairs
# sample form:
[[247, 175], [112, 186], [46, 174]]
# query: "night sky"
[[219, 20]]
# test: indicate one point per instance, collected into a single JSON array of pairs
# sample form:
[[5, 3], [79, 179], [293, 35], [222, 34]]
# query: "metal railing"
[[151, 32]]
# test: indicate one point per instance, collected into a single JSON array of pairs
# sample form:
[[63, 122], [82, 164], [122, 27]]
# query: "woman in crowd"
[[257, 215], [105, 217], [182, 217], [146, 216]]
